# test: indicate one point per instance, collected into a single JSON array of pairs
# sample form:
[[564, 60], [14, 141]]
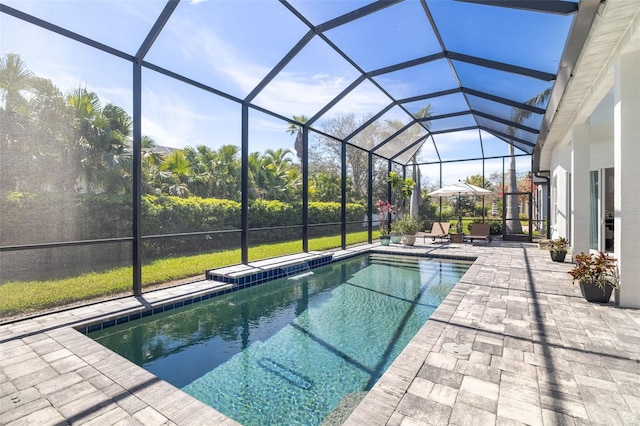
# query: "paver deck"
[[513, 343]]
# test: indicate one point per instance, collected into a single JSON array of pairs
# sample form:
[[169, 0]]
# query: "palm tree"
[[423, 115], [175, 175], [151, 162], [116, 156], [277, 164], [15, 78], [513, 224], [228, 173], [294, 128], [83, 107]]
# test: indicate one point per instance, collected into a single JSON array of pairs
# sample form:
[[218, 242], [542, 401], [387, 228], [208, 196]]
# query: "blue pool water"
[[288, 351]]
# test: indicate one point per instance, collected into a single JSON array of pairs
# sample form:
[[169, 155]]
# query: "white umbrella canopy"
[[459, 189]]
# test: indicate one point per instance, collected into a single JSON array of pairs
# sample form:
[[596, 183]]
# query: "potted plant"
[[408, 226], [384, 217], [558, 249], [597, 274], [396, 235], [401, 190], [385, 238]]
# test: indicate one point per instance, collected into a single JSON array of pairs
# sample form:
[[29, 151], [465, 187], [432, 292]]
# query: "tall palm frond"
[[294, 128]]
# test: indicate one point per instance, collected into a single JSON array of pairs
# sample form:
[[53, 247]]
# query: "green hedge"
[[47, 218], [169, 215]]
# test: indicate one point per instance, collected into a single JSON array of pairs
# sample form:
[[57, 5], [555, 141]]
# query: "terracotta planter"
[[456, 238], [385, 240], [558, 255], [593, 293], [408, 240]]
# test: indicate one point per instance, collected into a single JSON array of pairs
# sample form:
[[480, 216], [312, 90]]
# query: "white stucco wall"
[[601, 125], [607, 98], [560, 208]]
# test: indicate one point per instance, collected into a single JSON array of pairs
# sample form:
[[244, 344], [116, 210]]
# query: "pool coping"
[[241, 278]]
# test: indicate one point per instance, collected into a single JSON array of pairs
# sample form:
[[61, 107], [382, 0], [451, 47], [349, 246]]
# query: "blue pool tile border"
[[231, 284], [269, 274], [228, 285], [132, 316]]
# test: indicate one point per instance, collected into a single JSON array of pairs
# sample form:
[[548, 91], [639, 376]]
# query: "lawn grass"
[[21, 297]]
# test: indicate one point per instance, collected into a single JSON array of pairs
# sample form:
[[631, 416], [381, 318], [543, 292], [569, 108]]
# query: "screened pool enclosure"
[[146, 141]]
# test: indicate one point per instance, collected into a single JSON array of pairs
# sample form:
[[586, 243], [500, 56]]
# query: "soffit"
[[614, 25]]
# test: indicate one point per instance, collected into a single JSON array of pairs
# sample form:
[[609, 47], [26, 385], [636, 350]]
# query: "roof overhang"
[[613, 24]]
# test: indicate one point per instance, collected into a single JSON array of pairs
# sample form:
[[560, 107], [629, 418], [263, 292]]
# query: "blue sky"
[[231, 45]]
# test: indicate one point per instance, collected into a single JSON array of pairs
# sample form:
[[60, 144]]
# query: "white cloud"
[[203, 45], [174, 119]]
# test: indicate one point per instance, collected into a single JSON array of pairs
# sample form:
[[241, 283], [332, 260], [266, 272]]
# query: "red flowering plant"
[[598, 269], [384, 216]]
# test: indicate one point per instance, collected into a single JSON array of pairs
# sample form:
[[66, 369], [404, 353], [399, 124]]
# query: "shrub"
[[408, 225], [55, 217]]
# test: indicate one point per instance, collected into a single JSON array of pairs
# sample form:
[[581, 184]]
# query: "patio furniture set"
[[440, 230]]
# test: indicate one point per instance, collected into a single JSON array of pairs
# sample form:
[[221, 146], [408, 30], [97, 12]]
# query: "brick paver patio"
[[513, 343]]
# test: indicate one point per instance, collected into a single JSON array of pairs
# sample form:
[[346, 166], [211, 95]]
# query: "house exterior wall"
[[605, 133], [627, 176]]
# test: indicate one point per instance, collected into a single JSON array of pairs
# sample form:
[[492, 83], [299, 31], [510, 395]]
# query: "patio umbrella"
[[460, 189]]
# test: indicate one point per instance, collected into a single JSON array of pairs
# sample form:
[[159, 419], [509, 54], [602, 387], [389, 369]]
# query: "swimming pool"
[[290, 351]]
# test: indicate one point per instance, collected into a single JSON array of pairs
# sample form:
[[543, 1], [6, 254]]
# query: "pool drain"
[[457, 348]]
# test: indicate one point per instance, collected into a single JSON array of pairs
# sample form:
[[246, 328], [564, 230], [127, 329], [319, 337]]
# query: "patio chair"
[[479, 231], [438, 230]]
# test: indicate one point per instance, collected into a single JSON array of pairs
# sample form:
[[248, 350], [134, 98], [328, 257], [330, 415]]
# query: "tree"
[[100, 145], [15, 79], [34, 129], [518, 116], [151, 162], [175, 175], [327, 153], [402, 189], [294, 128], [282, 180], [325, 186]]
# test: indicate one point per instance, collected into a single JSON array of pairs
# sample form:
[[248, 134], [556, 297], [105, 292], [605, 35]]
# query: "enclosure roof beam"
[[556, 7]]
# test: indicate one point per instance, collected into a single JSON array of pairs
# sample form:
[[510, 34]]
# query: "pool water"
[[290, 350]]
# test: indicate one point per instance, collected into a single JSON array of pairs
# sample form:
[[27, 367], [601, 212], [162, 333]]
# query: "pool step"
[[407, 262], [292, 266]]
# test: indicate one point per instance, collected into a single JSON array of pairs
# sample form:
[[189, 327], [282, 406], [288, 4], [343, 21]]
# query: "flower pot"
[[558, 255], [593, 293], [456, 237], [408, 240], [385, 240], [395, 239]]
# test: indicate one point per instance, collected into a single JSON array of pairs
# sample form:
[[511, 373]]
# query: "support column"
[[580, 165], [627, 175]]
